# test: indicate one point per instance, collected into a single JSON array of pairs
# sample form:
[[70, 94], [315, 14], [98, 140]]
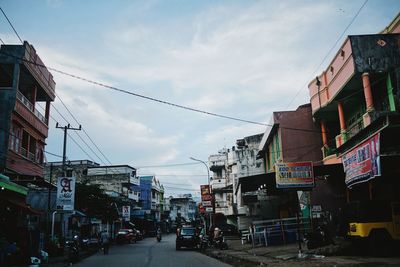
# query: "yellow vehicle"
[[376, 222]]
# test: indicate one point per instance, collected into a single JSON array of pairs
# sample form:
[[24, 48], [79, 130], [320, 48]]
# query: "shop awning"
[[24, 207], [6, 184]]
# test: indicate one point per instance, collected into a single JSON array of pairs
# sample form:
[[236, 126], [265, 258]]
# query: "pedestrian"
[[105, 241]]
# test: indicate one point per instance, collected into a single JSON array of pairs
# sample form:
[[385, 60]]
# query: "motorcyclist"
[[158, 234], [105, 241]]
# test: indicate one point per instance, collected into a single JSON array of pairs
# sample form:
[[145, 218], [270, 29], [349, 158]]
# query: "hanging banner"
[[126, 212], [65, 193], [362, 163], [294, 175]]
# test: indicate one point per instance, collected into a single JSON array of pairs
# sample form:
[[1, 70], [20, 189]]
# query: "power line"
[[84, 131], [12, 26], [80, 137], [15, 31], [330, 50]]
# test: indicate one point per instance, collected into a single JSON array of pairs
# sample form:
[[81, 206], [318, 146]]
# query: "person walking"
[[105, 241]]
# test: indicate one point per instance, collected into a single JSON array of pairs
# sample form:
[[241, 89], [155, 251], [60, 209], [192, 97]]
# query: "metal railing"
[[30, 106], [278, 231]]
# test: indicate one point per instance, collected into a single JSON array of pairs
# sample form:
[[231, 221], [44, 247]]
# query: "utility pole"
[[66, 128]]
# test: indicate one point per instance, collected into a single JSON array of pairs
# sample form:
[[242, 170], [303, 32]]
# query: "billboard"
[[362, 163], [294, 174], [65, 193]]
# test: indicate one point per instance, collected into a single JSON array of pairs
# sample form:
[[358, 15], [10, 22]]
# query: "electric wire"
[[83, 129], [12, 26], [16, 33], [329, 52]]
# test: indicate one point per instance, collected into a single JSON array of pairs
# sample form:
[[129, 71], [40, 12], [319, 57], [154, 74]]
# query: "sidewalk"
[[287, 255]]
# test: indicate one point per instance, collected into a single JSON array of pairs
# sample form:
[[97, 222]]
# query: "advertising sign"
[[362, 163], [206, 198], [205, 193], [65, 193], [126, 212], [294, 175]]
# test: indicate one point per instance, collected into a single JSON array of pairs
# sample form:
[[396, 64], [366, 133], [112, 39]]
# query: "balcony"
[[218, 183], [377, 53], [27, 111], [133, 196]]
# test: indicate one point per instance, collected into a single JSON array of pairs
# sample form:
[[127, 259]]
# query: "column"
[[341, 117], [47, 111], [369, 101], [324, 135]]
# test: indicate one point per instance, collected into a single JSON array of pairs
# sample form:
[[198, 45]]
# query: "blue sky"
[[242, 59]]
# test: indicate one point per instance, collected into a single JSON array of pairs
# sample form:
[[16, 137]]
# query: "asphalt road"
[[149, 252]]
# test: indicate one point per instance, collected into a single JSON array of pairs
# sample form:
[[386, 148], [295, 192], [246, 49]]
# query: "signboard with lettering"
[[126, 212], [65, 193], [294, 174], [206, 197], [362, 163]]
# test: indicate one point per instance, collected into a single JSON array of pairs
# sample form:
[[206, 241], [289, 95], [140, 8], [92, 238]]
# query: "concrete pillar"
[[341, 117], [369, 100], [47, 111], [324, 134]]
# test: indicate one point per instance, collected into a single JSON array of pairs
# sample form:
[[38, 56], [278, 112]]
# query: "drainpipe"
[[52, 224]]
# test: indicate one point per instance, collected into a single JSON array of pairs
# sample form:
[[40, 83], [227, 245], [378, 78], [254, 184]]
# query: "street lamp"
[[205, 164]]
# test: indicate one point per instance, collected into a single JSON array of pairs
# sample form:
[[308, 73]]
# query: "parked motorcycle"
[[73, 249], [318, 238], [219, 241]]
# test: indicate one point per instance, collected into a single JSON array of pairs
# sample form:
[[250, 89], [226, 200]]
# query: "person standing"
[[105, 241]]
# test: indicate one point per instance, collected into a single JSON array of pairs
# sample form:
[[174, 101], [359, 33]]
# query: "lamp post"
[[205, 164], [209, 188]]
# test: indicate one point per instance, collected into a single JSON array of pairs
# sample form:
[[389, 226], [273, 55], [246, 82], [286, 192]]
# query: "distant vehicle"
[[126, 236], [187, 237]]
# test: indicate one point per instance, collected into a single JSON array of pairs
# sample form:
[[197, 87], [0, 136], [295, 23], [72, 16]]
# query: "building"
[[228, 166], [151, 194], [291, 137], [182, 208], [356, 102], [116, 180], [23, 125], [74, 168]]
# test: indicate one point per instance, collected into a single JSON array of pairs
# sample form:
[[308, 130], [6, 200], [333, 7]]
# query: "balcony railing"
[[29, 106]]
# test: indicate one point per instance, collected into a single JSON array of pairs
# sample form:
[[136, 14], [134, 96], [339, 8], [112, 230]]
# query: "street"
[[149, 252]]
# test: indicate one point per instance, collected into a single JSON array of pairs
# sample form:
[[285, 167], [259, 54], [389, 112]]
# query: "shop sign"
[[209, 209], [294, 175], [65, 193], [206, 203], [205, 193], [362, 163]]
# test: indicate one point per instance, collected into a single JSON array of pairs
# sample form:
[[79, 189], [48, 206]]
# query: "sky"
[[243, 59]]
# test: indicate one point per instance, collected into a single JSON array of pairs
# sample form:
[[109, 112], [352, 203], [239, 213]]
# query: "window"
[[6, 74]]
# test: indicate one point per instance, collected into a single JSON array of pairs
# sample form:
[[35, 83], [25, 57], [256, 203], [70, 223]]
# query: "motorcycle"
[[73, 249], [318, 238], [219, 242]]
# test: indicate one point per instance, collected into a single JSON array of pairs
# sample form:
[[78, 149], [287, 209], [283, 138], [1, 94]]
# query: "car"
[[187, 237], [126, 236]]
